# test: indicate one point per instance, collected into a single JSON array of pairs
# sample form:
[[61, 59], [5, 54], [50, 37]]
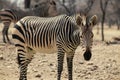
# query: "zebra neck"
[[75, 38]]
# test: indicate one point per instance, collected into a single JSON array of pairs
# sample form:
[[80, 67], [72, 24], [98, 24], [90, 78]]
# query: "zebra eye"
[[90, 24], [92, 35], [82, 24], [81, 36]]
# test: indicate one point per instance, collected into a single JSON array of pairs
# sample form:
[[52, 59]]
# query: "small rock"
[[95, 67], [38, 76], [34, 70], [81, 62], [50, 64], [114, 61], [86, 77], [1, 57], [90, 63], [53, 71]]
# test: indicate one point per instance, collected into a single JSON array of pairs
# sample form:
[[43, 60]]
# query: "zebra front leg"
[[70, 64], [24, 59], [60, 63]]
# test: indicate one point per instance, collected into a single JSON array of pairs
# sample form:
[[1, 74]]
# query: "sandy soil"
[[104, 64]]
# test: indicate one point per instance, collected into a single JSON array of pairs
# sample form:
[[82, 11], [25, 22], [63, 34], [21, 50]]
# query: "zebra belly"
[[49, 49]]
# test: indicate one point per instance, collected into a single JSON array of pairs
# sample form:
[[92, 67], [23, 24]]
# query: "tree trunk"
[[72, 6], [97, 30], [103, 7], [102, 26], [118, 25], [27, 3]]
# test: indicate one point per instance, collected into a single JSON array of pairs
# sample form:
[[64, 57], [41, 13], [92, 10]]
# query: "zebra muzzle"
[[87, 55]]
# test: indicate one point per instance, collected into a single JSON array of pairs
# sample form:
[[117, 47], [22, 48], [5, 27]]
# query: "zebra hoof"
[[87, 55]]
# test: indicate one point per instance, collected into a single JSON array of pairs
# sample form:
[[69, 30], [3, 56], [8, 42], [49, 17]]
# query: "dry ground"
[[104, 65]]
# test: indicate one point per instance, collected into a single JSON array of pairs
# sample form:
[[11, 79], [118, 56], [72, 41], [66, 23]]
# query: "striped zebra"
[[61, 34], [11, 15]]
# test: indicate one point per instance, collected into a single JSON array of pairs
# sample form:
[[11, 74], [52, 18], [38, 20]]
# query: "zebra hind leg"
[[5, 33], [70, 64], [24, 59], [60, 63], [8, 39]]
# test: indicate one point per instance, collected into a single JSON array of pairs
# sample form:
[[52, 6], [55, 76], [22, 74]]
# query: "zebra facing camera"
[[87, 55]]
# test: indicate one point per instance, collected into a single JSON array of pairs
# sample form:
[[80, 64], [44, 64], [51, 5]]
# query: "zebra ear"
[[93, 20], [79, 20]]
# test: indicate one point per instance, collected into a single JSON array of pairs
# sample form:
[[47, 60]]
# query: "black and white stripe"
[[47, 35]]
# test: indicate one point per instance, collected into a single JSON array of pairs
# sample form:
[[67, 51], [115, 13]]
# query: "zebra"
[[7, 16], [61, 34]]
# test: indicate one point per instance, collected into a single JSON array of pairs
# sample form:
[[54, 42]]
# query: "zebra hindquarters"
[[24, 53]]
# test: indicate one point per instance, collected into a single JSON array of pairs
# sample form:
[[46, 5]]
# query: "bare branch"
[[101, 5], [90, 4], [62, 4], [104, 4]]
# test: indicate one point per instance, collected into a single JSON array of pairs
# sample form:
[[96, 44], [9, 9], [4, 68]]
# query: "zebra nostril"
[[81, 36], [87, 55]]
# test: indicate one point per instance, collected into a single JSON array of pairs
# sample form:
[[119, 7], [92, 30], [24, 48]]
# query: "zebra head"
[[86, 25]]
